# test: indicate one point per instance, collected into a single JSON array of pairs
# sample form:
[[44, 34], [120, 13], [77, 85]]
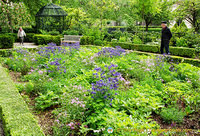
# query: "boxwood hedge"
[[6, 41], [178, 51], [17, 119], [40, 39]]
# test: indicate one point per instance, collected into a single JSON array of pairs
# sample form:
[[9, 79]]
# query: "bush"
[[40, 39], [6, 41], [54, 32], [122, 39], [136, 40], [181, 42], [182, 51], [98, 42], [178, 51], [87, 40], [170, 115], [71, 32], [29, 37]]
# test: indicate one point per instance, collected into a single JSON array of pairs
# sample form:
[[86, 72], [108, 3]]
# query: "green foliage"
[[29, 37], [185, 52], [11, 17], [147, 83], [87, 40], [181, 42], [136, 40], [54, 32], [189, 10], [71, 32], [40, 39], [172, 114], [46, 100], [98, 42], [16, 116], [6, 41]]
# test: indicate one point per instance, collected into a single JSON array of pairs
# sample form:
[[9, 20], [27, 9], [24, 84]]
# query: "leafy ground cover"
[[88, 89]]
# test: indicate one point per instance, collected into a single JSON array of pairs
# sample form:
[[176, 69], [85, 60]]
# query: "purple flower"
[[40, 72]]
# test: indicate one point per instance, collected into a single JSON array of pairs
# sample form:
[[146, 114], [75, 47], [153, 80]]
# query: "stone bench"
[[70, 39]]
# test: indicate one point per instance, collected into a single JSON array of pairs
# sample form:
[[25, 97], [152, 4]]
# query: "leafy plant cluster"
[[125, 90]]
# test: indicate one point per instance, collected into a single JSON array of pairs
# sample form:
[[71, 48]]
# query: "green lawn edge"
[[17, 119]]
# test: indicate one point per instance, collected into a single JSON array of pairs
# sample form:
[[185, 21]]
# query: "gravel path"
[[26, 45], [1, 128]]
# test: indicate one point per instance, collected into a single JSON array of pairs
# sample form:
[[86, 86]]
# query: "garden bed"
[[85, 90]]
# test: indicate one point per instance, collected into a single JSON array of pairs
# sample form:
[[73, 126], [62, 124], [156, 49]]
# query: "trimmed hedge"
[[178, 51], [6, 41], [40, 39], [194, 62], [29, 37], [87, 40], [17, 119]]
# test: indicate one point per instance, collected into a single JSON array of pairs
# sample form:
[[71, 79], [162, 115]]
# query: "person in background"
[[21, 35], [166, 36]]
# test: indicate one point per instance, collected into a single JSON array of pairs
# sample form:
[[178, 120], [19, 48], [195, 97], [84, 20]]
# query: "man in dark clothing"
[[166, 36]]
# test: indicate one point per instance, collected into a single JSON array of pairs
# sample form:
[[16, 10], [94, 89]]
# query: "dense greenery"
[[96, 88], [18, 121]]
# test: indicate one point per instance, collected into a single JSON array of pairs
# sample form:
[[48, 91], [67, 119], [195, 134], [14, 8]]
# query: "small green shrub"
[[98, 42], [71, 32], [181, 42], [6, 41], [29, 37], [54, 32], [136, 40], [40, 39], [172, 114], [122, 39], [87, 40]]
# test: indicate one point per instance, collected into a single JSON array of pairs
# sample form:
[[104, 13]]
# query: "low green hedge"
[[17, 119], [177, 51], [29, 37], [87, 40], [40, 39], [195, 62], [5, 52], [6, 41]]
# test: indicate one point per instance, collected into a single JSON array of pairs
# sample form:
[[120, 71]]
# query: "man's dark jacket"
[[166, 34]]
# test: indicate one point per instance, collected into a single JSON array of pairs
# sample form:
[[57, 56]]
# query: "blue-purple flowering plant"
[[111, 52], [106, 85]]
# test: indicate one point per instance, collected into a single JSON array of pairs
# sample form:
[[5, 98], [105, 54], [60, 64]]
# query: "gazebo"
[[51, 18]]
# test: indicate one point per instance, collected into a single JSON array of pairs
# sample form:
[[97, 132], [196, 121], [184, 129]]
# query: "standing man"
[[166, 36], [21, 35]]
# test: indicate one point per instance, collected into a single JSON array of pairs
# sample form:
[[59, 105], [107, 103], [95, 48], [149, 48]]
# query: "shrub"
[[122, 39], [29, 37], [71, 32], [6, 41], [181, 51], [178, 51], [87, 40], [170, 115], [98, 42], [54, 32], [40, 39], [181, 42], [136, 40]]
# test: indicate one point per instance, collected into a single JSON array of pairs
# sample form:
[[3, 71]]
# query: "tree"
[[165, 14], [147, 10], [99, 9], [189, 10], [13, 15]]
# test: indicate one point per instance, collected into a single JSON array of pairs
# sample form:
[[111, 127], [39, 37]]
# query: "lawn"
[[86, 90]]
